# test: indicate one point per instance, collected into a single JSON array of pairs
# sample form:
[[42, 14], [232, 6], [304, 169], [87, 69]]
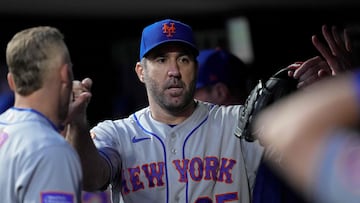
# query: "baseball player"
[[36, 162], [222, 77], [177, 149]]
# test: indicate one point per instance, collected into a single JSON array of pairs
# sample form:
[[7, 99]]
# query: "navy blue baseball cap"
[[218, 65], [165, 31]]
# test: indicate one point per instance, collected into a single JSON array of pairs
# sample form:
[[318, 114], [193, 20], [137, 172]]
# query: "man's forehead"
[[171, 47]]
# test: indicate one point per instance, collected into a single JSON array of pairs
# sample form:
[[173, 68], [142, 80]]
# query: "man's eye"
[[160, 60], [184, 59]]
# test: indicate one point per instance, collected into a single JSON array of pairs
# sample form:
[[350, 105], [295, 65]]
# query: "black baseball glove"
[[264, 94]]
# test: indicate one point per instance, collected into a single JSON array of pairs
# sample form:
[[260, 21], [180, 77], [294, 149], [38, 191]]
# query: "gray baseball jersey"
[[199, 160], [36, 162]]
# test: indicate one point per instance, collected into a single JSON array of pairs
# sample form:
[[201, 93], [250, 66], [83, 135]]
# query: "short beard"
[[175, 109]]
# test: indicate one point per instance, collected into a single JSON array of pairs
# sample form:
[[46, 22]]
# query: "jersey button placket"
[[173, 140]]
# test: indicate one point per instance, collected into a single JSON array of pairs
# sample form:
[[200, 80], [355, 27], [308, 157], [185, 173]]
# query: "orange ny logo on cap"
[[169, 30]]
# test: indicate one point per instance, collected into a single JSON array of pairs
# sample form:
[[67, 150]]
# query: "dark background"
[[105, 47]]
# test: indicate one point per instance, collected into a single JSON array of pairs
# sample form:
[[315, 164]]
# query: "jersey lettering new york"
[[196, 169]]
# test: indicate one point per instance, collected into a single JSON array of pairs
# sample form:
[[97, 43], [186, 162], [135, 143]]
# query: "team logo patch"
[[3, 137], [57, 197], [169, 29], [98, 197]]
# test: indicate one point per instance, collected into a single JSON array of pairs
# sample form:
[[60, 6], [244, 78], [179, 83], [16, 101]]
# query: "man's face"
[[169, 76]]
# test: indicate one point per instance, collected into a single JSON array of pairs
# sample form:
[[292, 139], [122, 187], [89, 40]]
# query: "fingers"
[[308, 67], [324, 73], [339, 43], [311, 71], [330, 39], [336, 63], [336, 50], [81, 88], [84, 85], [322, 48], [87, 83], [295, 65], [83, 99], [334, 40], [347, 40], [80, 100]]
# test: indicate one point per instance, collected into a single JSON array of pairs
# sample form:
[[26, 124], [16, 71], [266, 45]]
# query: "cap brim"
[[191, 47]]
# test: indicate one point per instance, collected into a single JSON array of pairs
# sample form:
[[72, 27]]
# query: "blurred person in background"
[[312, 136], [315, 139], [222, 78]]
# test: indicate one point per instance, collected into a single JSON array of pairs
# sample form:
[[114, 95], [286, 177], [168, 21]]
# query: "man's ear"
[[65, 74], [11, 82], [139, 69]]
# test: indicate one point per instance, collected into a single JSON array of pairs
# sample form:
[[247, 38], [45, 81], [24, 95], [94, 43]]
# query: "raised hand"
[[309, 71], [335, 57], [79, 101], [337, 51]]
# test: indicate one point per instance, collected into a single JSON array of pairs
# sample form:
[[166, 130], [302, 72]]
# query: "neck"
[[36, 101], [170, 117]]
